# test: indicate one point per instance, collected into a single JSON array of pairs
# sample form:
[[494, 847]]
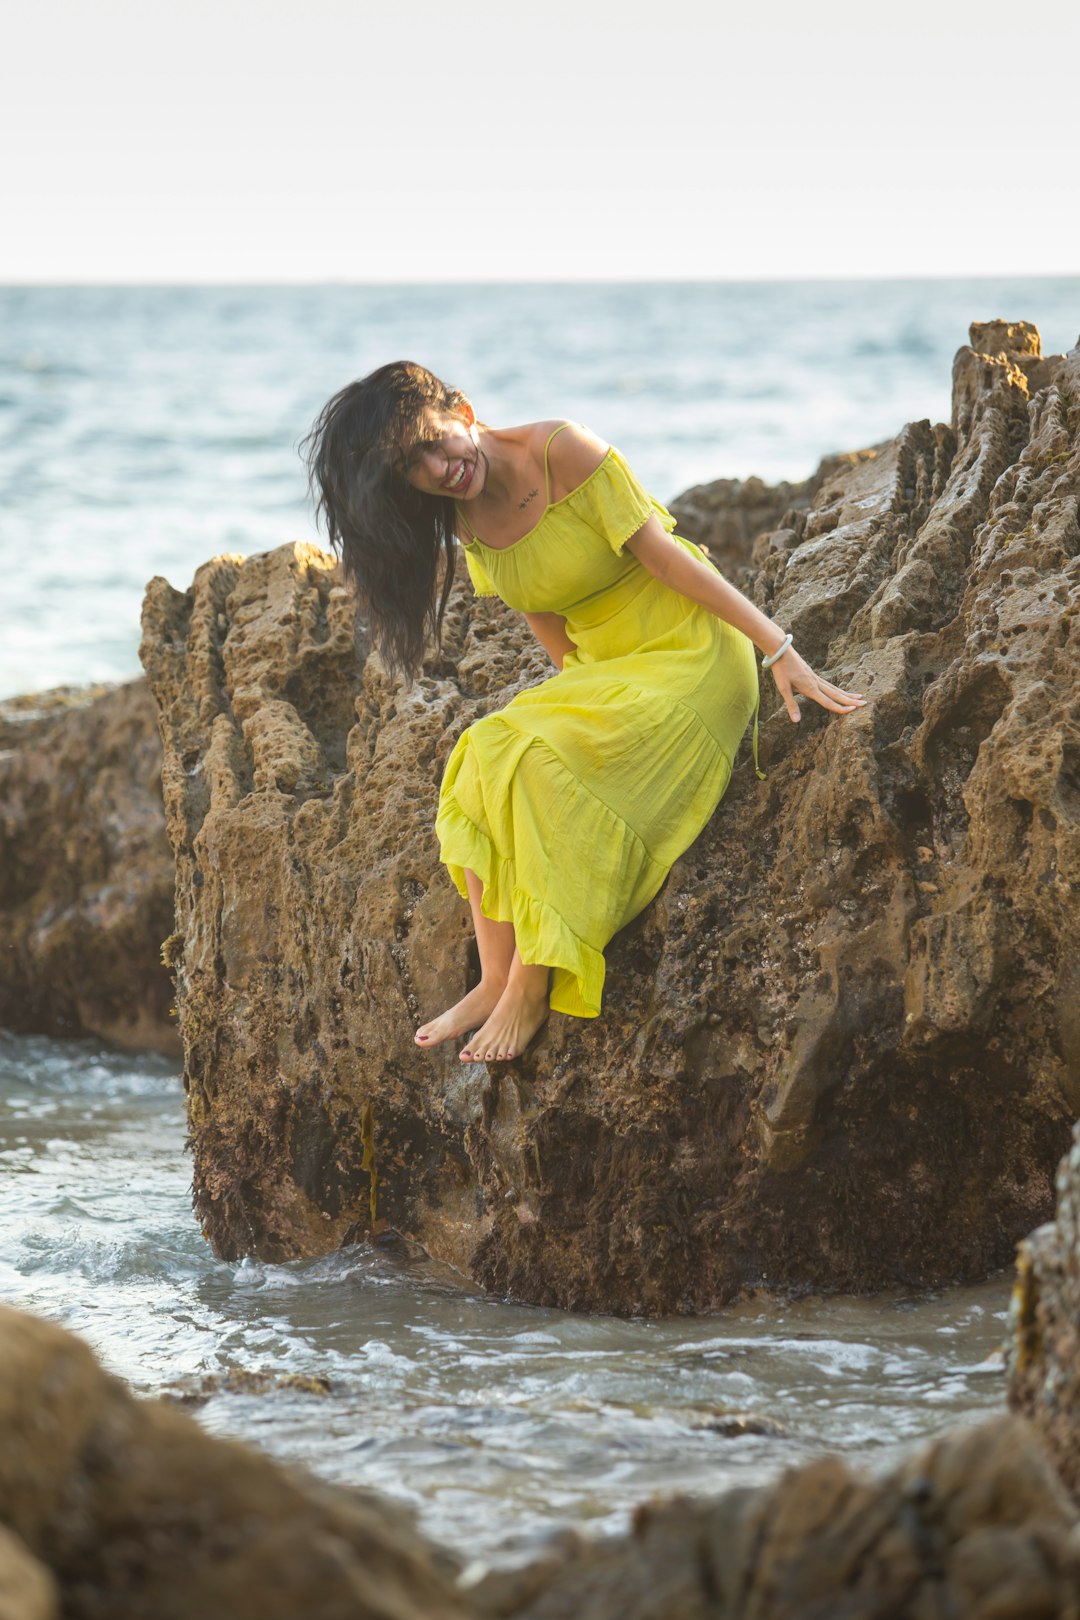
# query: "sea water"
[[497, 1423], [145, 429]]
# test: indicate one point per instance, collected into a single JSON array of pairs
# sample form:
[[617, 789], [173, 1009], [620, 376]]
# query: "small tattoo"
[[530, 496]]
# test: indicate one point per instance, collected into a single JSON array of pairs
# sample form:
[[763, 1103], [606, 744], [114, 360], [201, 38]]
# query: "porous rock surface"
[[86, 873], [137, 1512], [841, 1049], [735, 518], [1043, 1349]]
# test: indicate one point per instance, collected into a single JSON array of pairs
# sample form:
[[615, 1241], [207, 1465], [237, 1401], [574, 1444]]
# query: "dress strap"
[[463, 520], [757, 710], [547, 469]]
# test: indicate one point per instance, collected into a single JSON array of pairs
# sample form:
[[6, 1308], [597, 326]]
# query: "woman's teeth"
[[459, 477]]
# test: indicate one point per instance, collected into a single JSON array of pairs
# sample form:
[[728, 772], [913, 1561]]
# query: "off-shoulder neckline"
[[550, 507]]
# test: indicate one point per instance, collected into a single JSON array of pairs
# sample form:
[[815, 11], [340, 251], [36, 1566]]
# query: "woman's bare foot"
[[472, 1010], [519, 1013]]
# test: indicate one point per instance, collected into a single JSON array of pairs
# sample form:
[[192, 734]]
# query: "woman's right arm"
[[679, 569], [550, 631]]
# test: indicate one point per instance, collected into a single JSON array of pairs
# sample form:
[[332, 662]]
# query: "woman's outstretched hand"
[[795, 678]]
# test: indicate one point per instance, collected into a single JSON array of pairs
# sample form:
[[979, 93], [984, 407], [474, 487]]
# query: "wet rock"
[[86, 875], [195, 1392], [1043, 1351], [27, 1591], [974, 1526], [136, 1511], [733, 1425], [839, 1051]]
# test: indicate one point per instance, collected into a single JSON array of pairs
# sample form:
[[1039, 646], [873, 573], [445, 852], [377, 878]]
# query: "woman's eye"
[[420, 450]]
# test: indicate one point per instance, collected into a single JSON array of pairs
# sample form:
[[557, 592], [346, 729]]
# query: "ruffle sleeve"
[[617, 505], [481, 579]]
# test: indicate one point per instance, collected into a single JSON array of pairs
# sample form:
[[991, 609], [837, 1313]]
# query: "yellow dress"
[[572, 803]]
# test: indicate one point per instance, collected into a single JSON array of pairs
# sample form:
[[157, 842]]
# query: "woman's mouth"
[[460, 479]]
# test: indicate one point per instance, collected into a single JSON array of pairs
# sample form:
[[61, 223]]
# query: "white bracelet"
[[767, 663]]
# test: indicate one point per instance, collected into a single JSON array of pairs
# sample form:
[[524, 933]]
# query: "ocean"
[[497, 1423], [145, 429]]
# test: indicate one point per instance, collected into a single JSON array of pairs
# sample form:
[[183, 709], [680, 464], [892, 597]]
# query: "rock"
[[741, 521], [86, 876], [137, 1512], [732, 1425], [1043, 1351], [196, 1391], [975, 1526], [839, 1051], [27, 1591]]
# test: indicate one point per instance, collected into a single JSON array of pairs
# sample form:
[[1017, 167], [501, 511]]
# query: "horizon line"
[[23, 283]]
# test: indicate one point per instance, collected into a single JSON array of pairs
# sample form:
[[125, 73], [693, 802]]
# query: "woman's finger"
[[839, 692], [794, 677], [790, 701], [842, 703]]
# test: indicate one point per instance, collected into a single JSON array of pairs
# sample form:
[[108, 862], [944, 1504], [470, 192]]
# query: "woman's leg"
[[496, 947], [520, 1011]]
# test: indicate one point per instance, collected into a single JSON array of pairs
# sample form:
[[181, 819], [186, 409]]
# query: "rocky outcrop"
[[1043, 1351], [136, 1511], [840, 1050], [740, 521], [86, 875]]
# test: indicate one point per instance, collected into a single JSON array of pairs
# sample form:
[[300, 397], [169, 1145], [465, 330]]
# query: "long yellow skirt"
[[572, 803]]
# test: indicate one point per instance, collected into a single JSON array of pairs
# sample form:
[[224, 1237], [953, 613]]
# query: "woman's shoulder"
[[574, 452]]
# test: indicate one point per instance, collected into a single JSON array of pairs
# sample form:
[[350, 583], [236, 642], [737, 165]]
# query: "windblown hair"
[[394, 540]]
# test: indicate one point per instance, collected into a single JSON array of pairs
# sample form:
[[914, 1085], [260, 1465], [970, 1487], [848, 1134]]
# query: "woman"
[[560, 815]]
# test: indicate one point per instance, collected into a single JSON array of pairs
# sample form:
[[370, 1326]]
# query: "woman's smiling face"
[[447, 460]]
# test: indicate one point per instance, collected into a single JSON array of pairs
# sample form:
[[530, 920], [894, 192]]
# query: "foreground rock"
[[1044, 1345], [27, 1591], [974, 1527], [840, 1050], [86, 875], [137, 1512]]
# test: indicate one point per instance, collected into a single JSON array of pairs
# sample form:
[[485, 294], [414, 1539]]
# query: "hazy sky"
[[310, 139]]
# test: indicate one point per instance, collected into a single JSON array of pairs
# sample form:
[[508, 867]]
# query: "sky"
[[474, 140]]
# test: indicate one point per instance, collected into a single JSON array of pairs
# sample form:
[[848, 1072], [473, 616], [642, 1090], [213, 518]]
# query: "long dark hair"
[[395, 541]]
